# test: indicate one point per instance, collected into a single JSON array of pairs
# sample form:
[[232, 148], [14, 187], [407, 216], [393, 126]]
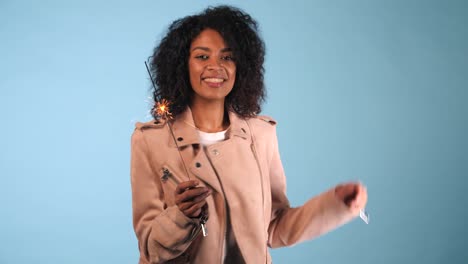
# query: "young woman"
[[215, 164]]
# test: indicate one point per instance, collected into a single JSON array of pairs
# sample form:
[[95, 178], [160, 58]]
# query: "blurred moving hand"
[[353, 194]]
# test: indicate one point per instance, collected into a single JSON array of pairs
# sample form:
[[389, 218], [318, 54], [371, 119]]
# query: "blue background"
[[362, 90]]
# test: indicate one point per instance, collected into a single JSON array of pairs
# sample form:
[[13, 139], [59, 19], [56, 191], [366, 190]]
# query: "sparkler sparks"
[[162, 108]]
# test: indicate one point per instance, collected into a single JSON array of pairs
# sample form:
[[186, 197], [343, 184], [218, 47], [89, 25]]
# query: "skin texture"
[[210, 60]]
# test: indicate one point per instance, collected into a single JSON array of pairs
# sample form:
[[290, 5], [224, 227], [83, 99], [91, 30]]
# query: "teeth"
[[214, 80]]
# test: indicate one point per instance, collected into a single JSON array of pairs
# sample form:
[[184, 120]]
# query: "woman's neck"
[[209, 116]]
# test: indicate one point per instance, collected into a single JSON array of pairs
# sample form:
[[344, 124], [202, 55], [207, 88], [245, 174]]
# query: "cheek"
[[232, 73], [194, 73]]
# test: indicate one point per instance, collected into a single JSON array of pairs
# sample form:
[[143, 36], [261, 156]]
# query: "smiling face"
[[211, 66]]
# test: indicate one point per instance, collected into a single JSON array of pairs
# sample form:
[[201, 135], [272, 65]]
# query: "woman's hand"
[[190, 199], [353, 194]]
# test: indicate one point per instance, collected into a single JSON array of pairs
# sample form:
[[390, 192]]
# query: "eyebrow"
[[208, 49]]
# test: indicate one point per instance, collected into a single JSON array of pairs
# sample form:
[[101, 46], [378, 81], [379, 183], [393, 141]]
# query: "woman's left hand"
[[353, 194]]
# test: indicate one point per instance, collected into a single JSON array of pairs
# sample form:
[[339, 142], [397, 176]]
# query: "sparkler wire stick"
[[149, 73]]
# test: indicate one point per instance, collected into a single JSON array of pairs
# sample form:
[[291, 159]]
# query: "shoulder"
[[147, 130], [263, 122], [153, 124], [263, 126], [267, 119], [264, 134]]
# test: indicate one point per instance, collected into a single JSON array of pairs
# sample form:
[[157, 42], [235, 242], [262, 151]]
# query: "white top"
[[207, 139]]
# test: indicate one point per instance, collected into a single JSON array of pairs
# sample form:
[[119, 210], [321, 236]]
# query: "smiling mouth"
[[213, 80]]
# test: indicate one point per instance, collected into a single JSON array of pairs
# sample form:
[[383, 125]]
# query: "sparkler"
[[161, 109]]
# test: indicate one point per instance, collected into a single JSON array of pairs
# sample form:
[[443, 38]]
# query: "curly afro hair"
[[169, 62]]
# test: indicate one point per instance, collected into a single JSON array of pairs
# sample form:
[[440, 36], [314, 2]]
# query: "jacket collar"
[[185, 132]]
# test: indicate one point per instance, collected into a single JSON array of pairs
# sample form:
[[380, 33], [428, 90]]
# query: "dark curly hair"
[[169, 62]]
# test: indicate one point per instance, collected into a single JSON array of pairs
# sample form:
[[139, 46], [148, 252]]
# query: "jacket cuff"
[[173, 229]]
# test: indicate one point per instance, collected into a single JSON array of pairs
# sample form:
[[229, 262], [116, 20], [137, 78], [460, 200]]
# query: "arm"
[[163, 232], [317, 216]]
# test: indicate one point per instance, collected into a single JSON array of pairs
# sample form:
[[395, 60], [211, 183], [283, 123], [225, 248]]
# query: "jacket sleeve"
[[163, 232], [317, 216]]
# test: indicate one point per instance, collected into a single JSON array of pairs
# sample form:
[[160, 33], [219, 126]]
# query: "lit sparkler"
[[161, 109]]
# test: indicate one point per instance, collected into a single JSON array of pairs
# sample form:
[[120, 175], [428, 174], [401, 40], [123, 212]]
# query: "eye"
[[202, 57], [227, 58]]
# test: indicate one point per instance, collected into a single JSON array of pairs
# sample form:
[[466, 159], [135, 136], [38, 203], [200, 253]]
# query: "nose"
[[214, 64]]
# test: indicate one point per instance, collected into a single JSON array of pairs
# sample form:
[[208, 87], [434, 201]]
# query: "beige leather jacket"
[[244, 172]]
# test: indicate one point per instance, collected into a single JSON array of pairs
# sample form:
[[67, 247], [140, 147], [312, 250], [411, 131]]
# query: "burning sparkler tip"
[[161, 109]]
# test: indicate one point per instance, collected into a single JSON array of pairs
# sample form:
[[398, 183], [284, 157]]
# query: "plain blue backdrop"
[[374, 91]]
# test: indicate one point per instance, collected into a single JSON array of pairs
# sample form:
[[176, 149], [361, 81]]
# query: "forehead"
[[209, 38]]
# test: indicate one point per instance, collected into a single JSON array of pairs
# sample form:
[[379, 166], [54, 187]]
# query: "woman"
[[216, 164]]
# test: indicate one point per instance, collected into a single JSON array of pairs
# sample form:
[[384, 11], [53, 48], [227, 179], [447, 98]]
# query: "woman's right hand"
[[190, 199]]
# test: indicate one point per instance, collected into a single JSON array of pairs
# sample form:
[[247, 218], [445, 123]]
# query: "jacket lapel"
[[185, 138]]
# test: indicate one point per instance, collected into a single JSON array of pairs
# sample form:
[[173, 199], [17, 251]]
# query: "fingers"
[[191, 199], [346, 192], [184, 204], [354, 195], [192, 208], [195, 209], [181, 187], [361, 199], [351, 192], [191, 194]]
